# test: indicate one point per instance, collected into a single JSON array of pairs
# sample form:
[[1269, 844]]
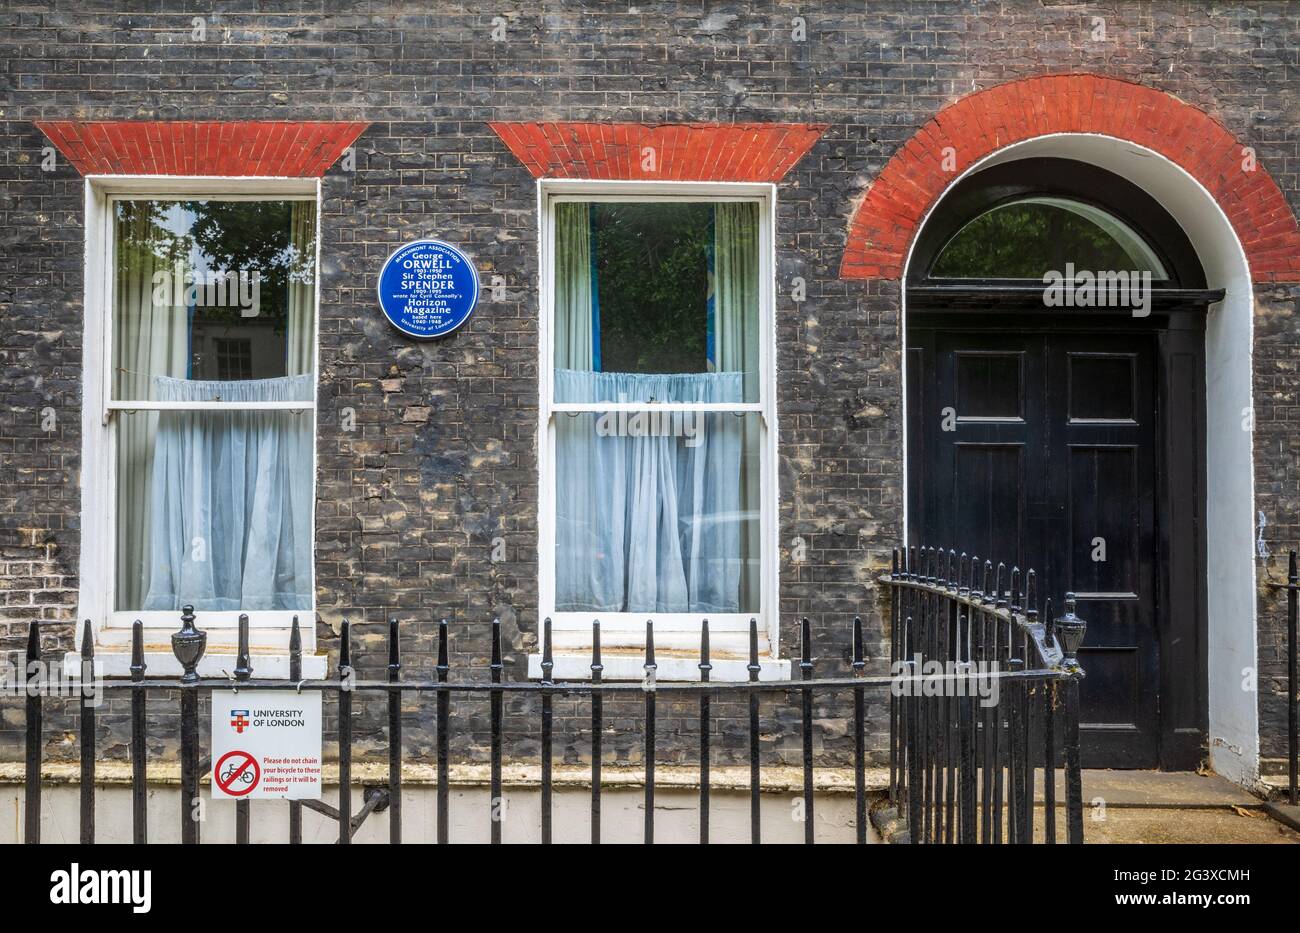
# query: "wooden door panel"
[[1102, 386], [1113, 672], [987, 499], [1048, 447], [1102, 426], [989, 384], [1105, 545]]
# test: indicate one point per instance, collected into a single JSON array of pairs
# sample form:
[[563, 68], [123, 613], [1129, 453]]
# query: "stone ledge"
[[779, 779], [1273, 786]]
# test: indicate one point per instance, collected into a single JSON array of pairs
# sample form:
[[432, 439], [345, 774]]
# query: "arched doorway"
[[1244, 233], [1055, 332]]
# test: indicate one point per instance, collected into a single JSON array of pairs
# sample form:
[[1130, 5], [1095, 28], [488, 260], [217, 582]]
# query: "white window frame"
[[623, 633], [268, 629]]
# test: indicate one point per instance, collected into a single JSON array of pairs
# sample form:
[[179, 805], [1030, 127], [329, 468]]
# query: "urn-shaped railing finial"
[[1070, 630], [188, 645]]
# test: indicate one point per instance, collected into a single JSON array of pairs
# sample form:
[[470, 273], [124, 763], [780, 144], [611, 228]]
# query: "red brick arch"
[[183, 147], [895, 205], [762, 152]]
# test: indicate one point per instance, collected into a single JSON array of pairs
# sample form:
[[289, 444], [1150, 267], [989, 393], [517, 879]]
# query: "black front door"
[[1041, 449]]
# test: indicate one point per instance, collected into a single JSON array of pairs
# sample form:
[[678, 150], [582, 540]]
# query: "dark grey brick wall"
[[1277, 494], [408, 507]]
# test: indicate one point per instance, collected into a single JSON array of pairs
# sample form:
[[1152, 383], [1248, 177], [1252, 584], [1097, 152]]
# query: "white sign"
[[266, 743]]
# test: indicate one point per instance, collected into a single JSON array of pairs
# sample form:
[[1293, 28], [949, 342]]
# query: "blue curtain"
[[647, 503], [230, 508], [734, 347]]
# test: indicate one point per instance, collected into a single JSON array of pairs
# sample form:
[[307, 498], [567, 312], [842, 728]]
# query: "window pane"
[[657, 512], [212, 290], [658, 288], [652, 283], [214, 509], [1028, 238]]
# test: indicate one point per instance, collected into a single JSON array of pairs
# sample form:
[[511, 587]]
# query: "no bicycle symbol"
[[237, 773]]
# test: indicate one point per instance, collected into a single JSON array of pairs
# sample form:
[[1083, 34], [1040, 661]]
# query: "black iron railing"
[[931, 742], [986, 705], [1292, 587], [188, 646]]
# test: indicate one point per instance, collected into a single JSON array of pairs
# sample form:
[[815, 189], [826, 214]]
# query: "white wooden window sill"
[[677, 656]]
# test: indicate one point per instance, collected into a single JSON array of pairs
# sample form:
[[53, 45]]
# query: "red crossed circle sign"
[[234, 780]]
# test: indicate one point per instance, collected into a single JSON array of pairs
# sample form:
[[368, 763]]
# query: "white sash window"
[[658, 491], [200, 409]]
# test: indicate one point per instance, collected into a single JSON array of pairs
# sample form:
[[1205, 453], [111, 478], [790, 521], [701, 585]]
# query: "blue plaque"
[[428, 288]]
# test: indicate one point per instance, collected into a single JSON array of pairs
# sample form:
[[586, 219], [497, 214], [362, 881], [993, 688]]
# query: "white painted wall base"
[[622, 816]]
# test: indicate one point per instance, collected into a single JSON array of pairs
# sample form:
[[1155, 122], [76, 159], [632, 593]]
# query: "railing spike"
[[443, 667], [704, 665], [295, 642], [137, 650], [345, 648], [87, 642], [548, 662], [394, 658], [243, 661], [1031, 596], [753, 667]]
